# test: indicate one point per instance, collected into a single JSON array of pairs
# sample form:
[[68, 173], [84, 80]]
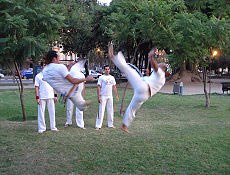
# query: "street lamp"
[[214, 53]]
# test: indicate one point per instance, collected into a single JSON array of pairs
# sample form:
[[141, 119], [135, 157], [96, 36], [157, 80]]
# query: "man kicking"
[[143, 87], [58, 76]]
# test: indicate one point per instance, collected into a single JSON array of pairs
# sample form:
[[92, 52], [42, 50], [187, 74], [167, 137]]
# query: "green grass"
[[170, 135]]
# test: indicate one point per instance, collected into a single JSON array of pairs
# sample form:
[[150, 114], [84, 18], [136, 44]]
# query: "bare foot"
[[67, 125], [113, 127], [124, 128], [84, 106]]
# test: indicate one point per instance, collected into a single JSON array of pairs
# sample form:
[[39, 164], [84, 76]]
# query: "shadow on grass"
[[203, 107], [19, 118]]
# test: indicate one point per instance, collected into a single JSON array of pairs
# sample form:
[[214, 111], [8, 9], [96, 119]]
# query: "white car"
[[1, 75], [94, 73]]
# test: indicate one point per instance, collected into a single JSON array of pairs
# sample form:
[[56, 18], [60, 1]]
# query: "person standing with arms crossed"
[[105, 85], [45, 97]]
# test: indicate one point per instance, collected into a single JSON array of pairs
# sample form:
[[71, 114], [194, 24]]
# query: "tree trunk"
[[207, 99], [123, 97], [21, 91]]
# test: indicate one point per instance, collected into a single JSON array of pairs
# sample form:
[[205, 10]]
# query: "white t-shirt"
[[106, 83], [75, 72], [55, 74], [45, 90], [155, 81]]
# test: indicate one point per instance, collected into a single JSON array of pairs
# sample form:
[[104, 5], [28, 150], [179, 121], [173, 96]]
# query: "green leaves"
[[27, 26]]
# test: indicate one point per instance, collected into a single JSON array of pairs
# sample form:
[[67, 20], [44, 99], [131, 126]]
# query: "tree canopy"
[[27, 28], [188, 28]]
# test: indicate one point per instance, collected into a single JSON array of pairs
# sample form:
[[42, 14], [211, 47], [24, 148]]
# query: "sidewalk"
[[193, 88], [189, 88]]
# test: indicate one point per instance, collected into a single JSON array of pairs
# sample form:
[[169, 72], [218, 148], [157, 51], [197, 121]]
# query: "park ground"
[[171, 134]]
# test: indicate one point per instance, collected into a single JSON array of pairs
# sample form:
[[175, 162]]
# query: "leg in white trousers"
[[79, 118], [140, 88], [41, 115], [78, 100], [108, 103], [69, 114]]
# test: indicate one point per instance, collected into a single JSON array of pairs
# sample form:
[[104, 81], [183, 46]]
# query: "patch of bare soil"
[[186, 77]]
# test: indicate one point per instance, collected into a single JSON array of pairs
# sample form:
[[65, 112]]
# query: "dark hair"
[[42, 64], [106, 66], [50, 55]]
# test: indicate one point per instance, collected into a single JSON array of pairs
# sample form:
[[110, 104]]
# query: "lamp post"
[[214, 53]]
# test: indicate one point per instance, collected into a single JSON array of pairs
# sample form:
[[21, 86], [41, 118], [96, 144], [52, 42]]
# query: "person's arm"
[[37, 94], [83, 91], [99, 93], [152, 61], [78, 81], [55, 97], [115, 91]]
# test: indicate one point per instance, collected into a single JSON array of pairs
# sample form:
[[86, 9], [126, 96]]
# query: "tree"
[[137, 26], [77, 33], [196, 35], [27, 28]]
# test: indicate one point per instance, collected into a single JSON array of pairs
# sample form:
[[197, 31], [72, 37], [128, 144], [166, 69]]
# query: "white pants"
[[69, 114], [41, 114], [106, 101], [140, 88], [78, 100]]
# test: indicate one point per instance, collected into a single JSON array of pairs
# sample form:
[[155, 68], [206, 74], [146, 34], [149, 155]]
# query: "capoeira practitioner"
[[58, 76], [45, 97], [143, 87], [106, 83], [75, 71]]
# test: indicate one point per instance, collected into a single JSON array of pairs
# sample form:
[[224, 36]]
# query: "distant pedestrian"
[[105, 85], [45, 97]]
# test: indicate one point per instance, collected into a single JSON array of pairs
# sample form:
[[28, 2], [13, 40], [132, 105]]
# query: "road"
[[189, 88], [12, 81]]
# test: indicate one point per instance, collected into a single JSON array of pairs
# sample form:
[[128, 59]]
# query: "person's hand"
[[117, 98], [99, 99], [89, 78], [151, 54], [38, 101], [110, 50], [55, 99]]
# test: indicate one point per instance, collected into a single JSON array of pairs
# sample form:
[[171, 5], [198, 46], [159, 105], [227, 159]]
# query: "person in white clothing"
[[58, 76], [106, 83], [45, 96], [143, 87], [76, 71]]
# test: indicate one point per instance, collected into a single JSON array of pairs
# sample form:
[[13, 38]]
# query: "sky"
[[105, 1]]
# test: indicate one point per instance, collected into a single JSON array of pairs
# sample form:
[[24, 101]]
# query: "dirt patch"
[[186, 77]]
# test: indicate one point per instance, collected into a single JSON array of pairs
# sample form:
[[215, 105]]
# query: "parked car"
[[94, 73], [1, 75], [27, 73]]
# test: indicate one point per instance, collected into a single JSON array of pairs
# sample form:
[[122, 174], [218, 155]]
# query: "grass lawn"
[[170, 135]]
